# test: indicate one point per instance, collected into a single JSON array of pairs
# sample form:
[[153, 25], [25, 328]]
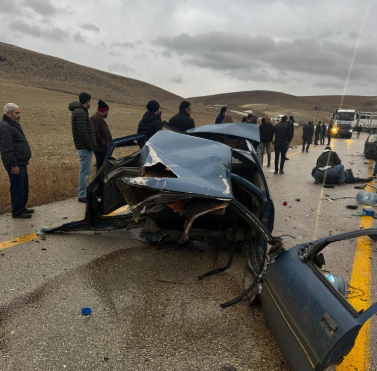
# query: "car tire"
[[371, 154]]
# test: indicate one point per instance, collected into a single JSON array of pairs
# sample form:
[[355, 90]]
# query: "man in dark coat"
[[307, 136], [15, 153], [323, 133], [266, 133], [317, 133], [329, 133], [329, 168], [151, 122], [283, 135], [182, 120], [220, 118], [291, 123], [103, 135], [250, 119], [84, 138]]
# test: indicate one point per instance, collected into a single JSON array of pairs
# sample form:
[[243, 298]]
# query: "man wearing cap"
[[151, 122], [15, 153], [182, 120], [103, 135], [84, 138]]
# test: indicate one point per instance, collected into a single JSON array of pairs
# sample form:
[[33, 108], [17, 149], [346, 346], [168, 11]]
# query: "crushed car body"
[[207, 186]]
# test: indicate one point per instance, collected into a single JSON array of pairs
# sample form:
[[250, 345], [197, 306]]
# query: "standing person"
[[103, 135], [244, 119], [266, 132], [151, 122], [307, 136], [250, 119], [84, 138], [323, 133], [329, 133], [182, 120], [228, 119], [223, 113], [291, 123], [317, 133], [15, 153], [359, 130], [283, 135]]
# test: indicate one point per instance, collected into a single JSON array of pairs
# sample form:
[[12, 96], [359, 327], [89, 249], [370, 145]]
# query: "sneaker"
[[317, 182], [286, 159], [29, 211], [83, 199], [276, 172], [281, 172], [268, 165], [22, 216]]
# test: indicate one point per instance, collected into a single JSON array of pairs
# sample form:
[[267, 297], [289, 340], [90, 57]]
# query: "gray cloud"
[[8, 6], [259, 58], [177, 79], [42, 7], [78, 38], [90, 27], [120, 67], [47, 33], [126, 44]]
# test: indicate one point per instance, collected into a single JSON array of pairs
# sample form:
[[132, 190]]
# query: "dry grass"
[[48, 183]]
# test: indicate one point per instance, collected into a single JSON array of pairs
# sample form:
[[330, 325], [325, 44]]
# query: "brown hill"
[[274, 103], [38, 70]]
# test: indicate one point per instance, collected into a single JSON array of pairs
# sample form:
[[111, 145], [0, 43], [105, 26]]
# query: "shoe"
[[29, 211], [307, 151], [281, 172], [22, 216], [268, 165], [276, 172], [83, 199], [317, 182], [286, 159], [369, 179], [303, 151]]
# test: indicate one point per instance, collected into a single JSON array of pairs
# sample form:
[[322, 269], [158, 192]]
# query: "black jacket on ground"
[[83, 132], [328, 158], [14, 146], [219, 119], [266, 132], [282, 132], [182, 121], [149, 125], [307, 132]]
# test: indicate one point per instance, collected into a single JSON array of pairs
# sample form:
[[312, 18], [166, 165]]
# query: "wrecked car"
[[207, 186]]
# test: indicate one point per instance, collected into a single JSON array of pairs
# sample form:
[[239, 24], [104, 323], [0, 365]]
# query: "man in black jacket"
[[182, 120], [283, 135], [317, 133], [323, 133], [84, 137], [151, 122], [15, 153], [307, 136], [291, 123], [220, 118], [266, 133]]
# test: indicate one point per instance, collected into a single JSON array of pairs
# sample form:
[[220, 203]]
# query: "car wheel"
[[371, 154]]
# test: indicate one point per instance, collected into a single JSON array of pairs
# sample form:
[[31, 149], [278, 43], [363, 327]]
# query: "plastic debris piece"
[[368, 211], [358, 213], [285, 203], [86, 311], [353, 207], [298, 199]]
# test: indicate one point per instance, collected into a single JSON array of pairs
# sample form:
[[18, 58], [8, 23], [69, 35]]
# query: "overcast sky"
[[203, 47]]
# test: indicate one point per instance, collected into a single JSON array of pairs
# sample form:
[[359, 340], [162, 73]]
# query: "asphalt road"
[[149, 311]]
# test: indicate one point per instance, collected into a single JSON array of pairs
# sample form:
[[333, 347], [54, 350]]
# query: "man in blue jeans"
[[15, 153], [283, 135], [84, 137]]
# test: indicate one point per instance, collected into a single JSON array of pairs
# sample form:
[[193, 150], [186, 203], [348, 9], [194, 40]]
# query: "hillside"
[[273, 103], [38, 70]]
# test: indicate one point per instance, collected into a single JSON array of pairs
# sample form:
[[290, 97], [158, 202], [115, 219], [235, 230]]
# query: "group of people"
[[92, 135]]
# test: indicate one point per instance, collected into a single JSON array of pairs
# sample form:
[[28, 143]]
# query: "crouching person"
[[15, 153], [329, 168]]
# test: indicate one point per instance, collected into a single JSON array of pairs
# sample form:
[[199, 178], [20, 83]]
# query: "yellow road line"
[[361, 277], [290, 155], [32, 236]]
